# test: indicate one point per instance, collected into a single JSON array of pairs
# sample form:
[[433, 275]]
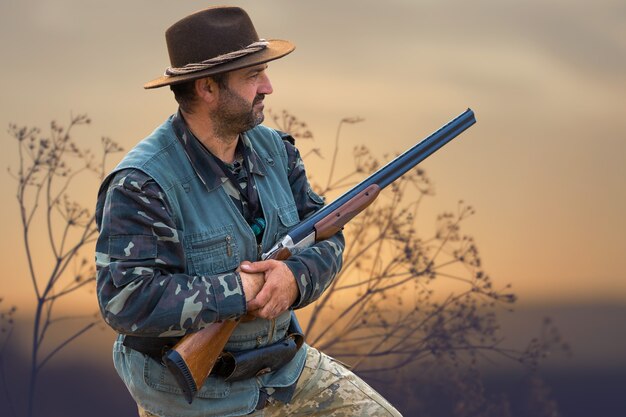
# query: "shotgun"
[[191, 360]]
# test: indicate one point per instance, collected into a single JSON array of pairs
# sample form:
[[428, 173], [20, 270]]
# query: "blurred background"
[[544, 167]]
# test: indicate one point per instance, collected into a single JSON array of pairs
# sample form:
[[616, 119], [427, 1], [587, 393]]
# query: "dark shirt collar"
[[203, 162]]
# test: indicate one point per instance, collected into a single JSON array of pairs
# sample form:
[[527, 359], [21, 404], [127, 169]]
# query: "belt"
[[233, 366], [155, 347]]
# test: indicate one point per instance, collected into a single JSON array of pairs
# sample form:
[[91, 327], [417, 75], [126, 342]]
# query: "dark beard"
[[234, 115]]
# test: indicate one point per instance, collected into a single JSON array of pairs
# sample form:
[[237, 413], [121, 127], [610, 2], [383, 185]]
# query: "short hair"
[[185, 92], [185, 95]]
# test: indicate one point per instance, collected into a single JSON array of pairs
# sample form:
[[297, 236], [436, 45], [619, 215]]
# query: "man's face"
[[240, 103]]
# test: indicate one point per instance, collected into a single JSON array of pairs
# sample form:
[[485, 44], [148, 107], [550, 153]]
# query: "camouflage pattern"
[[325, 388], [143, 287]]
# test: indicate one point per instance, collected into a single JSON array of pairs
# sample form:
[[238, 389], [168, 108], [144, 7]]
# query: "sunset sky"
[[544, 167]]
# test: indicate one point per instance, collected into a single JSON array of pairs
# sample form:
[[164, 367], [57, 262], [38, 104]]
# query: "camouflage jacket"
[[146, 295]]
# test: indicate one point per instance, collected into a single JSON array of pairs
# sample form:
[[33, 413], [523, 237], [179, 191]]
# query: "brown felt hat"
[[210, 34]]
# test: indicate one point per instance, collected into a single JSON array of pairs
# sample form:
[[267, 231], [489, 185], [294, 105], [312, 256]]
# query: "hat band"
[[220, 59]]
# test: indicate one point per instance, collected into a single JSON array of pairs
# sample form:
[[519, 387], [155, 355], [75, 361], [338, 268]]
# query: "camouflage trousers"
[[326, 388]]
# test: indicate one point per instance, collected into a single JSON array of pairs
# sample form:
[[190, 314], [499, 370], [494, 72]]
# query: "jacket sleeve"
[[141, 285], [315, 267]]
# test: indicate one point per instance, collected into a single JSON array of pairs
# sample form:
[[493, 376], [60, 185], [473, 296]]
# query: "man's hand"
[[279, 292]]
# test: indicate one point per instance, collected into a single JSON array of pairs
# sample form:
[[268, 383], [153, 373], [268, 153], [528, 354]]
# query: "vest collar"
[[201, 160]]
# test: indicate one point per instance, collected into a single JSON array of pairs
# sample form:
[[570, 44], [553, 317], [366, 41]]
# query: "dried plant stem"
[[47, 168]]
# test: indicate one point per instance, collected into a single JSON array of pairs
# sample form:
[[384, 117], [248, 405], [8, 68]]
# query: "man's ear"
[[206, 89]]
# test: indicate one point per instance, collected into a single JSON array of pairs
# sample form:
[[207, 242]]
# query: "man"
[[183, 220]]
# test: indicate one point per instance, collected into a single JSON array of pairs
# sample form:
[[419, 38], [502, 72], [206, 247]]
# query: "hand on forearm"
[[279, 292]]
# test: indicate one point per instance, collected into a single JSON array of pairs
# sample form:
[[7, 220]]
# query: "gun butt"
[[184, 378], [193, 358]]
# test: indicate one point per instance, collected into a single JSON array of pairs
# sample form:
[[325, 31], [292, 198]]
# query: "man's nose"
[[266, 86]]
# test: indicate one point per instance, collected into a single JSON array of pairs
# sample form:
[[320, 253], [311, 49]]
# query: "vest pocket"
[[258, 332], [288, 216], [212, 252]]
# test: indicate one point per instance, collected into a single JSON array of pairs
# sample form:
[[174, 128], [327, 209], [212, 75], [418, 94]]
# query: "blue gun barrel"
[[392, 171]]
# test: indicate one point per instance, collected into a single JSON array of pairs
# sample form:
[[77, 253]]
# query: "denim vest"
[[216, 239]]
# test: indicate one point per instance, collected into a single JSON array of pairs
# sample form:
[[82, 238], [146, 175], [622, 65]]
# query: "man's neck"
[[221, 145]]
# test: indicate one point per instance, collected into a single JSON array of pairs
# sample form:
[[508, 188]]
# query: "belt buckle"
[[263, 371]]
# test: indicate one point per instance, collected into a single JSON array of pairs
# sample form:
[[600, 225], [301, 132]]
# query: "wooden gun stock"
[[338, 218], [194, 356]]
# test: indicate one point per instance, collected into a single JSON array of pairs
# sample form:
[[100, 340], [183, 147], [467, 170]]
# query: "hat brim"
[[276, 49]]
